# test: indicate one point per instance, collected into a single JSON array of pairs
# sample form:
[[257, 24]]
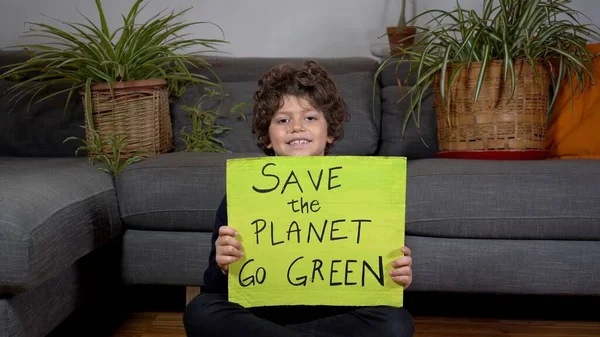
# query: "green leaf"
[[443, 75], [88, 100], [482, 71], [103, 23]]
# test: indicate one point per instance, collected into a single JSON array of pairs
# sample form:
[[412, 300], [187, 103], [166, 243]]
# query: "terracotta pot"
[[400, 38]]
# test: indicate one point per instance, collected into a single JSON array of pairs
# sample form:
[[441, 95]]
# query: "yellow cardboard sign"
[[316, 230]]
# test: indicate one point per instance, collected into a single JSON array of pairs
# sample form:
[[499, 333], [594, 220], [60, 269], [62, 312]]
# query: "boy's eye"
[[282, 120], [311, 118]]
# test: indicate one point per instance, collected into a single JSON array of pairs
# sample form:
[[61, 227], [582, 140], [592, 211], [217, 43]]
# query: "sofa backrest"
[[416, 142], [353, 77], [374, 128], [40, 130]]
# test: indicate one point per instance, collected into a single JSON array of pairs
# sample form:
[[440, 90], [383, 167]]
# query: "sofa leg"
[[190, 293]]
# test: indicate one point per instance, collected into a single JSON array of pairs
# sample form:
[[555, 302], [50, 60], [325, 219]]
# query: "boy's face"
[[297, 129]]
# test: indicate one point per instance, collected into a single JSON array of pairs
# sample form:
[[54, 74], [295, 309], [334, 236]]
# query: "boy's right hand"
[[228, 248]]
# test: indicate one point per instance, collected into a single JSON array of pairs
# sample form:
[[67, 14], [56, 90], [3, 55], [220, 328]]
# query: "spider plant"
[[84, 54], [402, 18], [113, 162], [204, 132], [535, 31]]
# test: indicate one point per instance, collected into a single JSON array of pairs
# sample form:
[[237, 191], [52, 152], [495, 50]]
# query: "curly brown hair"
[[312, 83]]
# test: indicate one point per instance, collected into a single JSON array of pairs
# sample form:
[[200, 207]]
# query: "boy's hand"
[[228, 249], [402, 272]]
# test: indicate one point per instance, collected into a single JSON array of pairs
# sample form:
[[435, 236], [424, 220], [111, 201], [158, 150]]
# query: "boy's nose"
[[297, 126]]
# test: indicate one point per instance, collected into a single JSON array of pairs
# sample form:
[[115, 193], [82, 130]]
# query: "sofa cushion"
[[361, 133], [539, 200], [40, 129], [53, 212], [496, 266], [149, 257], [94, 281], [239, 138], [417, 142], [392, 71], [174, 191]]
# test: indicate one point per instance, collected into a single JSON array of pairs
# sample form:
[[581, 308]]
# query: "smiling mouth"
[[298, 142]]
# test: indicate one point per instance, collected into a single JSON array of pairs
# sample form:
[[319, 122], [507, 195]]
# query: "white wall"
[[263, 28]]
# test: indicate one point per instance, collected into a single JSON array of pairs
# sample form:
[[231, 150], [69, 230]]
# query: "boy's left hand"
[[402, 272]]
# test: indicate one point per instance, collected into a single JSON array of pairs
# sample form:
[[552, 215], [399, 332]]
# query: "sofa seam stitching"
[[166, 211]]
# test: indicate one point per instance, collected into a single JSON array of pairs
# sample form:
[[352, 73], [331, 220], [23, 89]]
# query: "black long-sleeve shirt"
[[214, 279]]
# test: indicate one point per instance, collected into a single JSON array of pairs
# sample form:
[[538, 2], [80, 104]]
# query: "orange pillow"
[[573, 131]]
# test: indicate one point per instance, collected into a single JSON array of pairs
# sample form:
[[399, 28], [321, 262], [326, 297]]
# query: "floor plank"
[[137, 324], [144, 311], [165, 324]]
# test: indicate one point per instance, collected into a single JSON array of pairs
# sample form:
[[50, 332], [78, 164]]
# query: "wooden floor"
[[157, 312], [154, 324]]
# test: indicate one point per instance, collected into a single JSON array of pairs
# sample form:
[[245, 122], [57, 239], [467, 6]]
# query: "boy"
[[297, 112]]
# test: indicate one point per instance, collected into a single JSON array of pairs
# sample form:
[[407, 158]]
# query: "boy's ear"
[[267, 142], [329, 139]]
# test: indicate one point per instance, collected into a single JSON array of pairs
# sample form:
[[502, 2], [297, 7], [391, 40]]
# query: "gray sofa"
[[68, 232]]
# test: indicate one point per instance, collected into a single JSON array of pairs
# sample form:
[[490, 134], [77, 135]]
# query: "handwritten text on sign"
[[316, 230]]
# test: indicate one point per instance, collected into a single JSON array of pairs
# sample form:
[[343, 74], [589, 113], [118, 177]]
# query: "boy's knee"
[[201, 311], [398, 322]]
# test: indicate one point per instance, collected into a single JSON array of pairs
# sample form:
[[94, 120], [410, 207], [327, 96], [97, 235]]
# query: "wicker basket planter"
[[138, 110], [493, 123]]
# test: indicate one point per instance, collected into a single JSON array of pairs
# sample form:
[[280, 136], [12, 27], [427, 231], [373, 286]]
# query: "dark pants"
[[211, 315]]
